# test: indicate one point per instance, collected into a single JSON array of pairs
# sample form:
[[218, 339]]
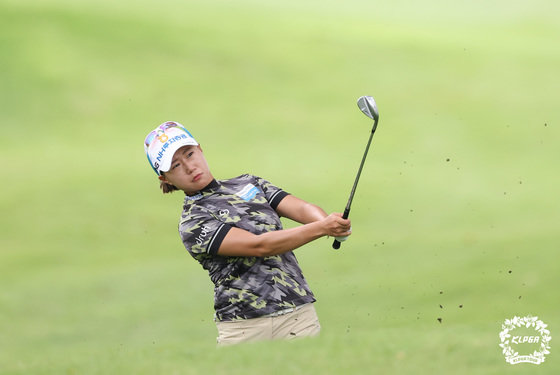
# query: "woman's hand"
[[336, 226]]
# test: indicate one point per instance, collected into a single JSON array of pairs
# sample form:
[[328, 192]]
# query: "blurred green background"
[[456, 216]]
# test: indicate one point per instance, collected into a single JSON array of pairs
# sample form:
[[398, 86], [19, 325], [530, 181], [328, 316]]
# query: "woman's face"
[[189, 170]]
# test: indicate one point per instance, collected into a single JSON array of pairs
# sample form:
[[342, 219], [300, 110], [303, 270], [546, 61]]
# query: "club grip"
[[336, 243]]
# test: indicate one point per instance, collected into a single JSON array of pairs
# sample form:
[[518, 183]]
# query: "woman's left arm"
[[299, 210]]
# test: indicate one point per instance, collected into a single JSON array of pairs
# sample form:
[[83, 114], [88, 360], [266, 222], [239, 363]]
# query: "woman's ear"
[[166, 186]]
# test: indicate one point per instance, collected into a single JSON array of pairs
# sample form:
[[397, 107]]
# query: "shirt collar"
[[208, 189]]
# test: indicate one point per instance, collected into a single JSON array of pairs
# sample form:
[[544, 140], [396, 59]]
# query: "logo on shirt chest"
[[248, 192], [224, 215]]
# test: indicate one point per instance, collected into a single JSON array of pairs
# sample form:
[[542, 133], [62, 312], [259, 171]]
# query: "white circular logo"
[[538, 335]]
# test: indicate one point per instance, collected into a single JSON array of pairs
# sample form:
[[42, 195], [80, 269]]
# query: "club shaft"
[[351, 198], [336, 243]]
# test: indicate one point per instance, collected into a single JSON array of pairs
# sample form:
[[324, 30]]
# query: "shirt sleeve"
[[273, 194], [201, 232]]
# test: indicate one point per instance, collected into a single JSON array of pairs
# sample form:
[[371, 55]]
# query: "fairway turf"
[[455, 219]]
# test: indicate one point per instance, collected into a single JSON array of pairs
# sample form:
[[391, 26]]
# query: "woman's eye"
[[190, 154], [175, 166]]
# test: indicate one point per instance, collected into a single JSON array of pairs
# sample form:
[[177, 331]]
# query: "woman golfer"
[[232, 228]]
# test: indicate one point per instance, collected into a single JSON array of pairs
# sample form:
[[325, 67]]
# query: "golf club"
[[369, 108]]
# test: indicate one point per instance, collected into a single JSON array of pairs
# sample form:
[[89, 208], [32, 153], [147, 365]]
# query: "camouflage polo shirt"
[[244, 287]]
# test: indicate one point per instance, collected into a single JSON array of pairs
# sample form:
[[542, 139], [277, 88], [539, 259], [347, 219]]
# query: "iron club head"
[[368, 107]]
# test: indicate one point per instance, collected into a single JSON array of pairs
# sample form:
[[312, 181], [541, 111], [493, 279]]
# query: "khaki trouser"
[[300, 323]]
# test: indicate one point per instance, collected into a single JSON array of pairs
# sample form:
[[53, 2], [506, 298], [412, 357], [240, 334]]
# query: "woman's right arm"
[[239, 242]]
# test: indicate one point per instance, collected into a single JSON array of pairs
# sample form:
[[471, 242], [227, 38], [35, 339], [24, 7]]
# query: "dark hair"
[[167, 188]]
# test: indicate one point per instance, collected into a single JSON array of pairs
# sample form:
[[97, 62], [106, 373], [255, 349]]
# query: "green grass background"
[[457, 205]]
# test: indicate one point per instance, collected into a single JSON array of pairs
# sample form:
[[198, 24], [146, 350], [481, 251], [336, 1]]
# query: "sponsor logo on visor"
[[169, 142]]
